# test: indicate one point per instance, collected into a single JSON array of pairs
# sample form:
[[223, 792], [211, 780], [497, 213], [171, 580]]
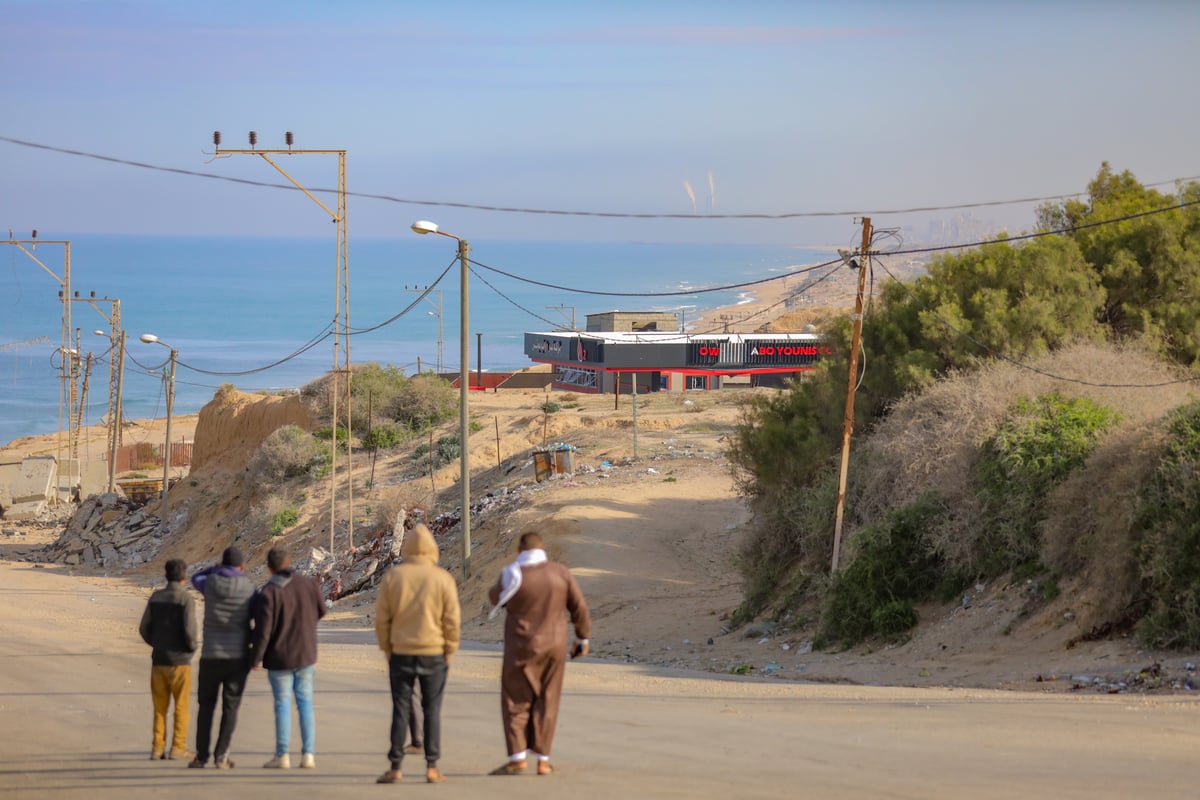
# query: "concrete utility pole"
[[116, 370], [862, 265], [341, 315]]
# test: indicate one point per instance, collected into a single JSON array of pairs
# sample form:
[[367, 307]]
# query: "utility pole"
[[863, 264], [425, 292], [116, 369], [562, 310], [66, 367], [341, 314]]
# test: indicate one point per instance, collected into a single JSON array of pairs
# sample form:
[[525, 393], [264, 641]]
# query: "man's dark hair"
[[232, 557], [277, 559], [175, 569], [531, 541]]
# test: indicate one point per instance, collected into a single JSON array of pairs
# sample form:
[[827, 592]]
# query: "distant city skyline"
[[671, 107]]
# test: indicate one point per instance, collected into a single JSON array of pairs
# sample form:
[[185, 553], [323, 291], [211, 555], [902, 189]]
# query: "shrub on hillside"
[[1168, 517], [1040, 442], [789, 544], [424, 401], [890, 567], [383, 436], [445, 450], [374, 389], [289, 452]]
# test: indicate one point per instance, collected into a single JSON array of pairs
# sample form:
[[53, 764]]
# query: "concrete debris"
[[106, 530], [363, 567]]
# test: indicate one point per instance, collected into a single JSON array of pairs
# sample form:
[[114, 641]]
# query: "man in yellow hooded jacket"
[[417, 621]]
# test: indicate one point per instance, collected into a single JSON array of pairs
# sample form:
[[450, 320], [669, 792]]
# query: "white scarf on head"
[[510, 578]]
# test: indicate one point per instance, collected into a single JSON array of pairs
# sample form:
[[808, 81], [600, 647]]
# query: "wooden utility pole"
[[499, 462], [863, 264]]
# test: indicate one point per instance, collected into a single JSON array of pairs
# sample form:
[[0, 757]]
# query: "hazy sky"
[[603, 106]]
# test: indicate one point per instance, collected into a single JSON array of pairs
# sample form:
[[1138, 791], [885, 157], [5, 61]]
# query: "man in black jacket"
[[169, 626], [286, 613], [224, 655]]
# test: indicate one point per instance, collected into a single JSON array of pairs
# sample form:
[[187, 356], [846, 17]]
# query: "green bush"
[[1168, 517], [890, 566], [383, 436], [283, 519], [373, 391], [789, 543], [550, 407], [445, 450], [1033, 450], [326, 433]]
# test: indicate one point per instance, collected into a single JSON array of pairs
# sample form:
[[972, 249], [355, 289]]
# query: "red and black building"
[[603, 361]]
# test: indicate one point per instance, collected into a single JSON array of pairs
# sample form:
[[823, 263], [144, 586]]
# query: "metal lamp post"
[[150, 338], [464, 431]]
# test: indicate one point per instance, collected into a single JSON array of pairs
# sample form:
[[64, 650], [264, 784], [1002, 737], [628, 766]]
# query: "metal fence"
[[145, 455]]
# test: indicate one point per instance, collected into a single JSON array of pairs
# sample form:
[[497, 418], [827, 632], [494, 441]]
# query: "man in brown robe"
[[537, 594]]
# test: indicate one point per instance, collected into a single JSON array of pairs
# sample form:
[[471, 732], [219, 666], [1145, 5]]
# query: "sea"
[[257, 312]]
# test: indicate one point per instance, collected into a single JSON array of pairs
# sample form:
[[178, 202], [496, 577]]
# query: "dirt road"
[[75, 723]]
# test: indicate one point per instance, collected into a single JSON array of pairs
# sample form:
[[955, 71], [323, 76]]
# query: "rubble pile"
[[360, 568], [108, 531]]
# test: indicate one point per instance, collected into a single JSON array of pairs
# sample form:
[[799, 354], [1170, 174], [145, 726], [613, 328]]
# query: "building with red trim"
[[669, 360]]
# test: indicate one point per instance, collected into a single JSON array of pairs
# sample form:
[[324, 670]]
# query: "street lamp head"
[[100, 333], [849, 258], [148, 338], [424, 226]]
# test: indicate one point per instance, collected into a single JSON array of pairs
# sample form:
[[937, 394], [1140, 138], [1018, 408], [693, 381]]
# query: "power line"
[[678, 293], [806, 287], [513, 302], [409, 307], [565, 212], [1040, 234]]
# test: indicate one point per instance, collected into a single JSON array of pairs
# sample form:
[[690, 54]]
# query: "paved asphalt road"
[[75, 724]]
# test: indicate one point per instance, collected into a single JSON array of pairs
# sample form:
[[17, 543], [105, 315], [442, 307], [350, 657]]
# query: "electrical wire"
[[1017, 363], [682, 292], [409, 307], [1041, 234], [563, 212], [533, 314], [806, 287]]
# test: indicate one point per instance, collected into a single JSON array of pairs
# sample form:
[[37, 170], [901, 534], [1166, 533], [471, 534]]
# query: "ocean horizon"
[[234, 306]]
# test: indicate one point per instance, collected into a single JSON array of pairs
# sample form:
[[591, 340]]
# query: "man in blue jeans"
[[286, 612]]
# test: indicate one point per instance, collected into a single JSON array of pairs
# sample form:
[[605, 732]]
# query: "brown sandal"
[[509, 768], [544, 768], [434, 775], [391, 776]]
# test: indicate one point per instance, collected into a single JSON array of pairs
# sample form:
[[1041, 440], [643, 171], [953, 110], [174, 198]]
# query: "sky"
[[685, 107]]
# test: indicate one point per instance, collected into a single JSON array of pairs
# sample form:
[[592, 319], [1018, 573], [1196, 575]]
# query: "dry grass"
[[1089, 523], [930, 441], [406, 498]]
